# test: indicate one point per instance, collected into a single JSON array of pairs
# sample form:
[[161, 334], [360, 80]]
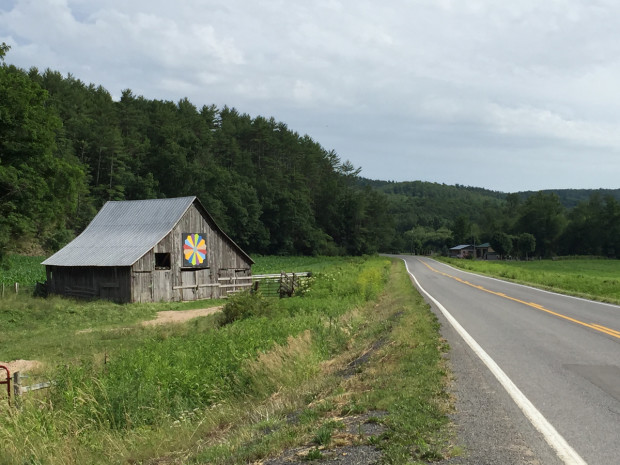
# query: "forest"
[[67, 147]]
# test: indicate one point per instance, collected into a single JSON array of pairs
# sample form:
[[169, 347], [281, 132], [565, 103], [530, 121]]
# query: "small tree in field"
[[526, 244], [501, 243]]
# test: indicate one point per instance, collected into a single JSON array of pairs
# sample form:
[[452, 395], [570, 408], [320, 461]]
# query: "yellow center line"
[[596, 327], [604, 328]]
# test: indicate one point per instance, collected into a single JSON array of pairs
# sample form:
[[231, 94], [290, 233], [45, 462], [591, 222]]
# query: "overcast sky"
[[506, 95]]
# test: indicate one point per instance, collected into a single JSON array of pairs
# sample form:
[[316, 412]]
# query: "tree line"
[[67, 147], [435, 217]]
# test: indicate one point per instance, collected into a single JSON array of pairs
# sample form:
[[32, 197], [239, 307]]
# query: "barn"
[[150, 251]]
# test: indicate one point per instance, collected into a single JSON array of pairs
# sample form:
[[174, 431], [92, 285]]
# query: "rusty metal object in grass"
[[7, 381]]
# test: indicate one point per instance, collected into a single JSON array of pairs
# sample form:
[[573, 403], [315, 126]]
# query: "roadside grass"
[[393, 365], [587, 278], [238, 393]]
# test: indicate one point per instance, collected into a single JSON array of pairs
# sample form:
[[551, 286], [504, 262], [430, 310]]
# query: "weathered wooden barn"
[[150, 251]]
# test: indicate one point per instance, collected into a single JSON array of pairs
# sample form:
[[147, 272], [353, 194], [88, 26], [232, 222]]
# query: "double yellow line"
[[600, 328]]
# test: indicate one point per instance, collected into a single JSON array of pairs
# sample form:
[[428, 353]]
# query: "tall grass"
[[158, 380]]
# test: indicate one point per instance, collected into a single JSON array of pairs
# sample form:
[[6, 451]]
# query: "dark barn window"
[[162, 261]]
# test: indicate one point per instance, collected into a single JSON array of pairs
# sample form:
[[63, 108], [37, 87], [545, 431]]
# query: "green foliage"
[[4, 48], [245, 305], [272, 190], [313, 454], [370, 282], [67, 147], [58, 330], [323, 435], [542, 215], [163, 391], [39, 185], [25, 270], [160, 376], [431, 217], [501, 243], [526, 244]]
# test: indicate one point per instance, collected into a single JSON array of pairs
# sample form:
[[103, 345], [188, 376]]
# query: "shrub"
[[245, 305]]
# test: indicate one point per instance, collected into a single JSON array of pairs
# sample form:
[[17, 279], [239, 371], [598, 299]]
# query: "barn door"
[[188, 284]]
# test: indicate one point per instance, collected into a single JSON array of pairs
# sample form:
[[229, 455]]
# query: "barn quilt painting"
[[194, 250]]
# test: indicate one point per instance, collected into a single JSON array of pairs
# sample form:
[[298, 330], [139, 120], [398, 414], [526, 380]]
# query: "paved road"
[[561, 353]]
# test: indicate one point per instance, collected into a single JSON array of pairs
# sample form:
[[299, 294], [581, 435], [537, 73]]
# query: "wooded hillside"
[[67, 147]]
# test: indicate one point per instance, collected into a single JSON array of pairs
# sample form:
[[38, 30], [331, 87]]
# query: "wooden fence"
[[16, 288], [270, 285], [276, 285], [19, 389], [279, 285]]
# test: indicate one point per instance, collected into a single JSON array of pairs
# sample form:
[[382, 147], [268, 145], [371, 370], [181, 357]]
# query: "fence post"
[[17, 388], [16, 288]]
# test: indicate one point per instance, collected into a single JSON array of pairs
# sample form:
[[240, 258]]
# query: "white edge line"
[[607, 304], [564, 451]]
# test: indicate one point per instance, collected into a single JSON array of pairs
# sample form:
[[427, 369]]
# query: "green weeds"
[[313, 454], [26, 271], [245, 305], [206, 392]]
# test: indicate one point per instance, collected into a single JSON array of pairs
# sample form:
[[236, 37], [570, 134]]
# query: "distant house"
[[150, 251], [482, 251], [462, 251], [486, 252]]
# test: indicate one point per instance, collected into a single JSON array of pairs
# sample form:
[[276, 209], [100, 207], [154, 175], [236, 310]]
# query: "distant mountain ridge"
[[568, 197], [571, 197]]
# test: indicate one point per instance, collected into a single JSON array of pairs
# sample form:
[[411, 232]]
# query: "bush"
[[245, 305]]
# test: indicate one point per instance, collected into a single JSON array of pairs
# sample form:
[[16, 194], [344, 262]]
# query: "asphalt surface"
[[561, 353]]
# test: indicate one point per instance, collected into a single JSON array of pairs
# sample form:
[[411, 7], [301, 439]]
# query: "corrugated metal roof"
[[461, 247], [122, 232]]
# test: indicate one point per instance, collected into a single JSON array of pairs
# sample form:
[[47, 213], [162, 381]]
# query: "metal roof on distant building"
[[461, 247], [123, 231]]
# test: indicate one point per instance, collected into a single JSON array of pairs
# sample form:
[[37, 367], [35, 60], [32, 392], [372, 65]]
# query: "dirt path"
[[179, 316], [20, 365]]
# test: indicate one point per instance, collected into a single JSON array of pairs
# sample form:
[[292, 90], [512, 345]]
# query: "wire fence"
[[17, 288]]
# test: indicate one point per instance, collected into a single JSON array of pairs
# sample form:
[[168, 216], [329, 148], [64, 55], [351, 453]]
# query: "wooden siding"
[[110, 283], [177, 283], [144, 282]]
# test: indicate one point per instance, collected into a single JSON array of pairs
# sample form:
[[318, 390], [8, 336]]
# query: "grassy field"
[[588, 278], [22, 269], [274, 374]]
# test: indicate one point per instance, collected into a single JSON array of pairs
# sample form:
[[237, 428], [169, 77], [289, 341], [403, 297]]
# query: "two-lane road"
[[560, 354]]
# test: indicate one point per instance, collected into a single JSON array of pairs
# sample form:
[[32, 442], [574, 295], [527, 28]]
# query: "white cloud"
[[527, 121], [406, 89]]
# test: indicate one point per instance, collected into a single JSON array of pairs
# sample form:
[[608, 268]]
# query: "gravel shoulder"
[[489, 426]]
